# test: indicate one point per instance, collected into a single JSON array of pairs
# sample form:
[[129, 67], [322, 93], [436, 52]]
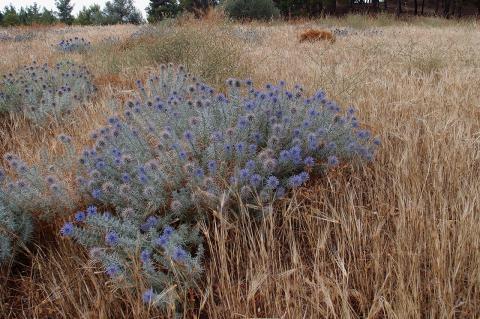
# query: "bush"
[[180, 149], [43, 92], [15, 228], [252, 9], [79, 45], [27, 193]]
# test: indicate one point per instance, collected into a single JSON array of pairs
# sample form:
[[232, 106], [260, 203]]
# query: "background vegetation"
[[124, 11]]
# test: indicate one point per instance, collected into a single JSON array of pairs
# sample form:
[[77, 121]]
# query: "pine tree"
[[122, 11], [65, 9], [161, 9], [10, 16]]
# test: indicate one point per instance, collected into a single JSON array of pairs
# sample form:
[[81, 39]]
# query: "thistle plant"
[[167, 259], [26, 193], [15, 227], [177, 149], [42, 92], [76, 44]]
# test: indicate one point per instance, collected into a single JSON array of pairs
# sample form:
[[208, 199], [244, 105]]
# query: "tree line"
[[124, 11], [114, 12]]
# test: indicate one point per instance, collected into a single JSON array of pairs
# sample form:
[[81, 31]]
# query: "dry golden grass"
[[395, 239]]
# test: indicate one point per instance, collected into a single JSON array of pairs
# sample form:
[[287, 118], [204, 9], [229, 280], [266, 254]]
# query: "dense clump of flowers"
[[43, 92], [27, 191], [178, 148], [120, 242], [33, 189], [75, 44], [15, 228]]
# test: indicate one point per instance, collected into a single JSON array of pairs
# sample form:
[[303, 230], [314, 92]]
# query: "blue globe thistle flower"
[[100, 165], [363, 134], [249, 106], [284, 156], [91, 210], [148, 296], [112, 270], [252, 149], [331, 145], [320, 95], [212, 166], [182, 155], [309, 161], [168, 231], [272, 182], [116, 153], [280, 193], [240, 148], [111, 238], [188, 135], [199, 172], [143, 178], [242, 122], [304, 176], [162, 241], [80, 216], [216, 136], [250, 165], [255, 180], [145, 256], [321, 131], [243, 174], [332, 160], [152, 220], [295, 181], [296, 154], [351, 110], [126, 177], [312, 141], [96, 193], [179, 254], [67, 229]]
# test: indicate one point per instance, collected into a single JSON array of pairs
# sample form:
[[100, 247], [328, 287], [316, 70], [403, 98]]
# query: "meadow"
[[395, 237]]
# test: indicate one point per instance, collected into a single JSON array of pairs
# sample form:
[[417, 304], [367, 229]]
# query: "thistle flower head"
[[111, 238], [67, 229]]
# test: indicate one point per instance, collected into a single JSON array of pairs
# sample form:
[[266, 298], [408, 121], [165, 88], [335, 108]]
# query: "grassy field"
[[397, 238]]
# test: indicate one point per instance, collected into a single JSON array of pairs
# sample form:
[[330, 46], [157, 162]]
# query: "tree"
[[399, 8], [90, 16], [122, 11], [47, 17], [10, 16], [161, 9], [199, 7], [251, 9], [65, 9]]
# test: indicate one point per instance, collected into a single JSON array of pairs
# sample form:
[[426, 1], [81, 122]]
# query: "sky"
[[78, 4]]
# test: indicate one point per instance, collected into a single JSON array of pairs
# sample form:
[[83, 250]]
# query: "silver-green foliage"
[[45, 93], [76, 44], [27, 191], [180, 149]]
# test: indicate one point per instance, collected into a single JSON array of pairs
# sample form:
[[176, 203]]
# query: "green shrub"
[[251, 9]]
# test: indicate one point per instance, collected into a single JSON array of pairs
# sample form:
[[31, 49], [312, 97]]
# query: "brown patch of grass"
[[312, 35]]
